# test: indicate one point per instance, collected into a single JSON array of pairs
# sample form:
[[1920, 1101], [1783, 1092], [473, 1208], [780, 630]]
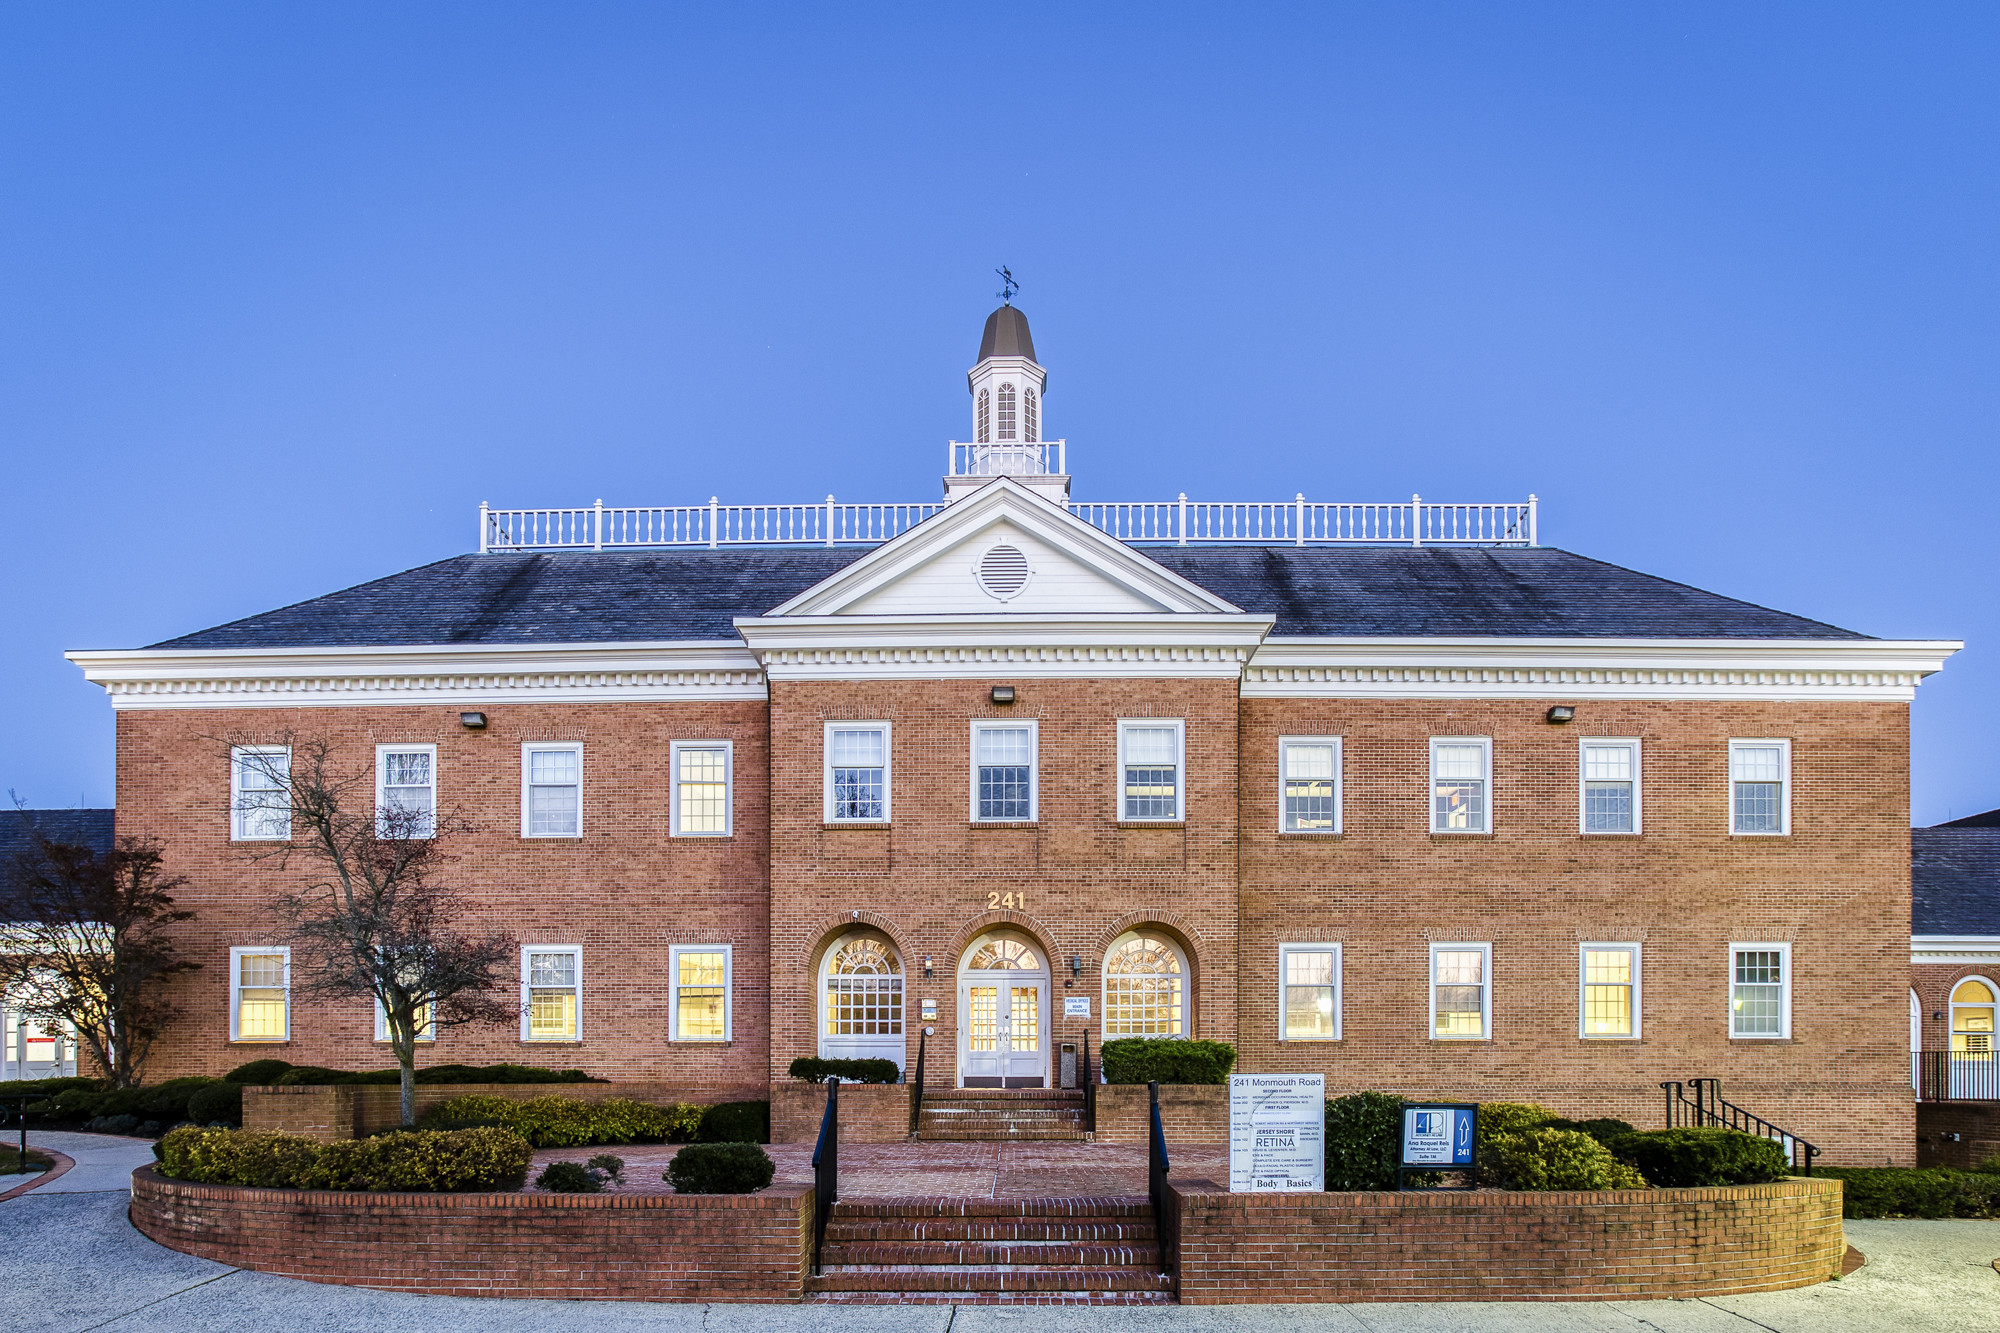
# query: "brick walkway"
[[961, 1170]]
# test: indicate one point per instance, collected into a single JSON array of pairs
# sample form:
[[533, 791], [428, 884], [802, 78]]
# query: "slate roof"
[[92, 828], [1955, 880], [590, 596]]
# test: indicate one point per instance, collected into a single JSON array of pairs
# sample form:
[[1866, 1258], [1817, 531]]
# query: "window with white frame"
[[857, 773], [260, 994], [551, 790], [405, 791], [1461, 992], [1003, 771], [1760, 990], [426, 1022], [551, 992], [1461, 782], [1311, 998], [700, 995], [1608, 774], [1006, 412], [1149, 767], [260, 793], [1145, 987], [1760, 786], [1309, 783], [701, 804], [984, 429], [1608, 999], [1031, 417]]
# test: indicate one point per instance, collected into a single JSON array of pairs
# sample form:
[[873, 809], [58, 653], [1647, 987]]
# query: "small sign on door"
[[1076, 1006]]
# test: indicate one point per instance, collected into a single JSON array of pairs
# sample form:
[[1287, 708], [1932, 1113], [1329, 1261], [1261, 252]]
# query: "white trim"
[[528, 750], [1339, 786], [1784, 829], [1784, 952], [1485, 745], [1034, 729], [236, 953], [1179, 727], [1339, 1000], [428, 1033], [674, 953], [1139, 645], [1638, 984], [1638, 786], [575, 951], [1955, 950], [382, 753], [1485, 990], [674, 752], [826, 770], [236, 756]]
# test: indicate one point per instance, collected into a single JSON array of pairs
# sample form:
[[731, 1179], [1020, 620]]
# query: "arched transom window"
[[1006, 412], [864, 989], [1004, 955], [1972, 1011], [1145, 988]]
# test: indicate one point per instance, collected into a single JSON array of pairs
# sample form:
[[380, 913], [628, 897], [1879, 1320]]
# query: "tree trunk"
[[406, 1056]]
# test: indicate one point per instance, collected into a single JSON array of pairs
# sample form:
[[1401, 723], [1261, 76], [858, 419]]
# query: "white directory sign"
[[1277, 1133], [1076, 1006]]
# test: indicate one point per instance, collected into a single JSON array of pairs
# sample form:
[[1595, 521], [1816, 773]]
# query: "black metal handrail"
[[1165, 1220], [1956, 1076], [1708, 1110], [826, 1167], [917, 1085], [1089, 1089]]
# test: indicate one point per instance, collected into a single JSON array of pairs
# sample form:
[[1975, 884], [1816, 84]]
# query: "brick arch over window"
[[1174, 927], [1021, 921], [828, 932]]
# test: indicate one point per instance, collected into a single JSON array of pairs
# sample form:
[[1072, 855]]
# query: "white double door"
[[1005, 1030]]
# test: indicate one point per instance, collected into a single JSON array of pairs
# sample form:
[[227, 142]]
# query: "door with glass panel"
[[1972, 1067], [1003, 1006], [36, 1048], [861, 1001]]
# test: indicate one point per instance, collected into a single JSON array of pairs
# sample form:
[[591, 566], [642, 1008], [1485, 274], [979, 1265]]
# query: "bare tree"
[[378, 921], [88, 943]]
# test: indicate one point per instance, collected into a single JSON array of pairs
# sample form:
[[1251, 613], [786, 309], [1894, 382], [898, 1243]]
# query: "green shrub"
[[610, 1164], [217, 1101], [1363, 1141], [735, 1122], [1885, 1191], [1554, 1159], [1686, 1158], [235, 1157], [257, 1071], [569, 1122], [814, 1070], [1497, 1118], [568, 1178], [289, 1075], [720, 1168], [309, 1075], [469, 1159], [1604, 1131], [1167, 1060]]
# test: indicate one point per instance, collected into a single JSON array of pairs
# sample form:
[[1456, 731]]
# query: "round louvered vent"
[[1003, 572]]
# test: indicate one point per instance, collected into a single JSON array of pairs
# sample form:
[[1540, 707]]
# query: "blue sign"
[[1438, 1136]]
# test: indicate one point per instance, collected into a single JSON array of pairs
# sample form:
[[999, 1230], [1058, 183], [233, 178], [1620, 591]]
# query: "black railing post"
[[1089, 1090], [1156, 1183], [826, 1167], [917, 1088]]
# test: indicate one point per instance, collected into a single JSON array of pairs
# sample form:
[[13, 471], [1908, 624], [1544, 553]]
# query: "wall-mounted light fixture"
[[927, 965], [1560, 714], [472, 721], [1076, 964], [1003, 694]]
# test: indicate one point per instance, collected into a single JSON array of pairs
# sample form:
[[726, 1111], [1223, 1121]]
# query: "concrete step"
[[998, 1230], [988, 1279], [990, 1298], [990, 1254]]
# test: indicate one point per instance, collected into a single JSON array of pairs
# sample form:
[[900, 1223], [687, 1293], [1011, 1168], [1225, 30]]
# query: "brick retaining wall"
[[1977, 1125], [1498, 1245], [1189, 1113], [345, 1110], [634, 1247], [869, 1112]]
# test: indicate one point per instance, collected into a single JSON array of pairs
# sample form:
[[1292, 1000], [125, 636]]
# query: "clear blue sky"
[[286, 290]]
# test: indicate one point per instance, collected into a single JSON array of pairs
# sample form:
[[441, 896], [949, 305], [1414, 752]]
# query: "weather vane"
[[1008, 286]]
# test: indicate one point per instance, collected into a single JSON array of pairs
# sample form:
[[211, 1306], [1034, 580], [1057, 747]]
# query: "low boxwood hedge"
[[735, 1122], [1167, 1060], [1362, 1144], [148, 1109], [720, 1168], [1689, 1158], [568, 1122], [1554, 1159], [815, 1070], [466, 1159], [1888, 1191], [282, 1074]]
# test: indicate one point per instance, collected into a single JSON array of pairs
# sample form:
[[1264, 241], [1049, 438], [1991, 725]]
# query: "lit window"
[[1760, 781], [426, 1022], [1460, 776], [1003, 771], [1311, 997], [857, 772], [551, 977], [1031, 417], [1310, 783], [984, 426], [1460, 994], [260, 796], [260, 1007], [551, 791], [864, 990], [405, 791], [1760, 995], [1610, 996], [1972, 1011], [701, 789], [1006, 412], [701, 992], [1610, 776], [1149, 761], [1145, 990]]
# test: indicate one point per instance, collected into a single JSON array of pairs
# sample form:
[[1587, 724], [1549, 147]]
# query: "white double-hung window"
[[701, 796], [1760, 991], [1311, 994], [260, 793], [1309, 784], [700, 995], [551, 790], [260, 994], [857, 773], [1003, 771], [1461, 784], [1461, 992], [1760, 787], [1608, 998], [426, 1022], [405, 791], [551, 992], [1149, 768], [1608, 778]]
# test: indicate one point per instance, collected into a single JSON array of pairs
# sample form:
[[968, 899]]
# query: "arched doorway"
[[1972, 1013], [1145, 987], [861, 1000], [1003, 1013]]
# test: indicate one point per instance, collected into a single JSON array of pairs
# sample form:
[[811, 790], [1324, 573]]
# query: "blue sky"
[[285, 291]]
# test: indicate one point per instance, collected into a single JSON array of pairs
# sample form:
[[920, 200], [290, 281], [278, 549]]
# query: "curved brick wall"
[[653, 1247], [1495, 1245]]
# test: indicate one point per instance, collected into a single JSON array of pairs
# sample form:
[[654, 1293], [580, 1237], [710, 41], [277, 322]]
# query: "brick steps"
[[991, 1114]]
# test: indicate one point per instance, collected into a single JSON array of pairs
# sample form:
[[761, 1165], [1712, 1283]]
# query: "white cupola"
[[1007, 387]]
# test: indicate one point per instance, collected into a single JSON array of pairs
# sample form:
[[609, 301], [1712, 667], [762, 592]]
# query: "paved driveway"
[[74, 1264]]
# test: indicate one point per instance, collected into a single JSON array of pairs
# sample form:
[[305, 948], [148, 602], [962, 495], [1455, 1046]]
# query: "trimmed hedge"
[[735, 1122], [282, 1074], [1166, 1060], [466, 1159], [569, 1178], [1688, 1158], [1888, 1191], [568, 1122], [1362, 1141], [814, 1070], [720, 1168], [1554, 1159], [217, 1102], [123, 1110]]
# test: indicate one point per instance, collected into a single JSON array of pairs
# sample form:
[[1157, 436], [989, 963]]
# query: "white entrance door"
[[1003, 1005]]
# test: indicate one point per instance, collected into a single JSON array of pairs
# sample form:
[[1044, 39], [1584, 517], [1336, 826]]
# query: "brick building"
[[1955, 959], [1385, 791]]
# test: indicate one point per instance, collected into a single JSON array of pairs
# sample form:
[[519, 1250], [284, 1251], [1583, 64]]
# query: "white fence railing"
[[1295, 522]]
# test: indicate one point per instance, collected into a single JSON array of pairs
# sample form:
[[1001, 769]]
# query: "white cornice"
[[1665, 669], [481, 674], [1960, 950], [945, 647]]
